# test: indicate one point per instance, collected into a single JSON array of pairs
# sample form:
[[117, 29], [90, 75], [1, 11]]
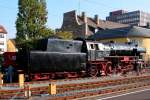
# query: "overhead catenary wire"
[[96, 6], [99, 4]]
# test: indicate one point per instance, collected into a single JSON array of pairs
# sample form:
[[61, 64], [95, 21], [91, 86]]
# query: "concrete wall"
[[146, 44], [71, 24]]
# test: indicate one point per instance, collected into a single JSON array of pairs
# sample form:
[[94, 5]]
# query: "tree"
[[31, 21], [64, 34]]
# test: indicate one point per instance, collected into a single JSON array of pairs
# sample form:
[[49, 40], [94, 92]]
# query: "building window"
[[14, 58], [1, 35], [1, 43], [1, 49]]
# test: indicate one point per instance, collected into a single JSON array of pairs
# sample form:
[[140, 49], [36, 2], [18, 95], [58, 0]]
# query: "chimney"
[[96, 18], [84, 17]]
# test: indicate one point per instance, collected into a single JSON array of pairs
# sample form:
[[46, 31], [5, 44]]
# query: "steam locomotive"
[[52, 58]]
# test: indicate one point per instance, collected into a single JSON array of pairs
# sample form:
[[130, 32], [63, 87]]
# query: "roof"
[[111, 25], [102, 23], [131, 31], [13, 41], [2, 29]]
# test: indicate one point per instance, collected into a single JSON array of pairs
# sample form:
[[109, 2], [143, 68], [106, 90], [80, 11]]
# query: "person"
[[10, 73], [6, 74]]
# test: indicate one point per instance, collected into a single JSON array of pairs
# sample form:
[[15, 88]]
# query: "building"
[[11, 45], [133, 34], [137, 18], [83, 26], [3, 40]]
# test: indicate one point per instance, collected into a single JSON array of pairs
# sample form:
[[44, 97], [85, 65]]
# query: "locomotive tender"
[[77, 58]]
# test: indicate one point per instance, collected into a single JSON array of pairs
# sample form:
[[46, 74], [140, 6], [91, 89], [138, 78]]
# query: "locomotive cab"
[[97, 51]]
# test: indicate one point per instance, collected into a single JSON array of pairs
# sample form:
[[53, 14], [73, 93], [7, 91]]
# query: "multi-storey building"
[[137, 18], [83, 26], [3, 40]]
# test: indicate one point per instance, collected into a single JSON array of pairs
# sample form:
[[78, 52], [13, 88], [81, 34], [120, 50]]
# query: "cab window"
[[96, 46]]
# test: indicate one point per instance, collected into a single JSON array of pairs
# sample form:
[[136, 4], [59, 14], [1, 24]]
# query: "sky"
[[56, 8]]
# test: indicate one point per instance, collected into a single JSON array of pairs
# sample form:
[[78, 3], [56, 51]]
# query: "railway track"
[[70, 81], [80, 89], [91, 85], [98, 91]]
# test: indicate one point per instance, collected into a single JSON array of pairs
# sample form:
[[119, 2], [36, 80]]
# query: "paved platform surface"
[[137, 94]]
